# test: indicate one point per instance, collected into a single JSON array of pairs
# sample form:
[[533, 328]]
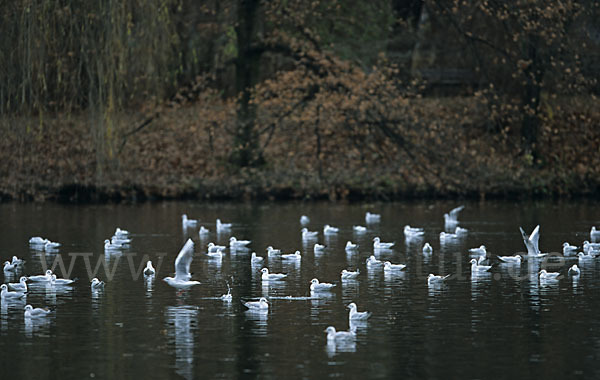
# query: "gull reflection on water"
[[149, 284], [259, 317], [182, 321]]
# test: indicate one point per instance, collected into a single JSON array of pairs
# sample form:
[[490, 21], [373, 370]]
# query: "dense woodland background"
[[298, 99]]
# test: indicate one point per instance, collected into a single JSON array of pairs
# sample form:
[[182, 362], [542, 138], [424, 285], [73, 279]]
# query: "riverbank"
[[449, 149]]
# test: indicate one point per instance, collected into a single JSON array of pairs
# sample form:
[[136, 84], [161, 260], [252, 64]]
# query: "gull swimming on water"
[[304, 220], [17, 261], [235, 243], [359, 229], [432, 279], [594, 235], [50, 245], [293, 256], [339, 336], [351, 246], [117, 240], [121, 233], [479, 251], [476, 267], [96, 284], [388, 266], [36, 240], [260, 305], [574, 271], [188, 223], [587, 246], [372, 218], [427, 249], [256, 259], [108, 246], [451, 218], [42, 277], [203, 231], [548, 275], [8, 267], [223, 227], [316, 286], [215, 255], [327, 229], [273, 251], [307, 235], [583, 257], [182, 279], [569, 249], [357, 315], [349, 275], [510, 259], [149, 270], [373, 261], [447, 236], [10, 296], [266, 276], [214, 248], [377, 244], [30, 312], [20, 286], [460, 230], [413, 232]]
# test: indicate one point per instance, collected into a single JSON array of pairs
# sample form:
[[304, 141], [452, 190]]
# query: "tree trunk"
[[533, 90], [245, 152]]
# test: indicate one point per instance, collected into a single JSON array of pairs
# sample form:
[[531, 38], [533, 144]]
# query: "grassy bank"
[[451, 148]]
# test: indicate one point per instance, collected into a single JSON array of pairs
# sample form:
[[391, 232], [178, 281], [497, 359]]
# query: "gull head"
[[330, 330], [304, 229], [28, 308], [431, 275], [376, 239], [23, 279], [543, 272], [351, 306], [48, 272], [314, 281], [264, 271], [473, 261], [232, 239], [3, 287], [263, 301]]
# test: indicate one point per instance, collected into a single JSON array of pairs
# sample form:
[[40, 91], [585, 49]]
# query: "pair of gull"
[[14, 265], [372, 262], [203, 231], [315, 285], [40, 244], [119, 241], [341, 337]]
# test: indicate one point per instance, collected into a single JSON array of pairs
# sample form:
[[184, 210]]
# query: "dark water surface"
[[505, 325]]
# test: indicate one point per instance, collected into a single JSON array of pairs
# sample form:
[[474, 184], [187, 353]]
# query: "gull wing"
[[454, 212], [534, 239], [528, 244], [183, 261]]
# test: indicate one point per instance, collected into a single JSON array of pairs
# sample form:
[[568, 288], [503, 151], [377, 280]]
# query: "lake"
[[503, 325]]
